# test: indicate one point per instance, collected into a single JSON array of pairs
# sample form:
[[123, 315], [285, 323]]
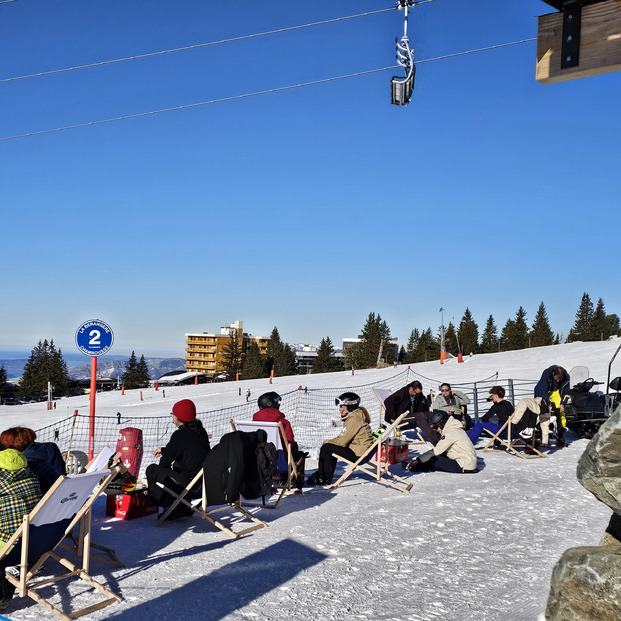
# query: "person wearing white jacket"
[[453, 453]]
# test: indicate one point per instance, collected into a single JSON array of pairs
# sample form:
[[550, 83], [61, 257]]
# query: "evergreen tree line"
[[136, 373], [279, 358], [45, 364], [591, 324]]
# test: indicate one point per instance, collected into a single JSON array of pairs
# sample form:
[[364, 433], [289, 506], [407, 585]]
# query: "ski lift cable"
[[198, 45], [256, 93]]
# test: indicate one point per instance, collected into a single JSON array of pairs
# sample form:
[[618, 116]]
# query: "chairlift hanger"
[[401, 88]]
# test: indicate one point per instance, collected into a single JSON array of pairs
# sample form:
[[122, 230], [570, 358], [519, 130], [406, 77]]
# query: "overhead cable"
[[254, 94], [196, 46]]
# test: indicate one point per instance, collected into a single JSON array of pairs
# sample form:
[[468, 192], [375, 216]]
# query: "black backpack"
[[267, 462]]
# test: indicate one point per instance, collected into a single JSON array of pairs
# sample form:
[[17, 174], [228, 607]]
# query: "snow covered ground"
[[459, 547]]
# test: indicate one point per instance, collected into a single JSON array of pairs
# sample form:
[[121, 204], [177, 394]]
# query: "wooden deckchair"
[[196, 490], [74, 542], [375, 469], [68, 501], [381, 394], [276, 435], [511, 445]]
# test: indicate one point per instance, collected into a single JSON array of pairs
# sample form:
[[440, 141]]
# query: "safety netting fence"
[[312, 413]]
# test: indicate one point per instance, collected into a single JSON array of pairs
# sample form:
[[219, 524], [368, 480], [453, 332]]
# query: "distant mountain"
[[105, 367], [115, 368], [14, 368]]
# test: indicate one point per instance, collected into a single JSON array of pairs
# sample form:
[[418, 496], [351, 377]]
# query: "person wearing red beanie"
[[180, 460], [184, 410]]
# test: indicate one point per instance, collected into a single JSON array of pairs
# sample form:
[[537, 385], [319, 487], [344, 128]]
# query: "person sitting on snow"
[[411, 399], [502, 410], [353, 441], [453, 453], [454, 402]]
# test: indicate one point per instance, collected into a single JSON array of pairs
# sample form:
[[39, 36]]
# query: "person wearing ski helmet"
[[354, 440], [453, 453], [269, 411], [269, 404]]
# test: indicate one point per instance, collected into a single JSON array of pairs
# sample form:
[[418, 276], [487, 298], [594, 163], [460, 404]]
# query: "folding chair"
[[68, 501], [72, 542], [276, 435], [375, 469], [196, 489], [511, 445], [381, 394]]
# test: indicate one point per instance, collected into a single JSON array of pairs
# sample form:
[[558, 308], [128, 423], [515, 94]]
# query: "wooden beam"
[[600, 43]]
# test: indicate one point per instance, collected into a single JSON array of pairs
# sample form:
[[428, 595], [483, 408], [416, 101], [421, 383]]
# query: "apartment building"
[[205, 351]]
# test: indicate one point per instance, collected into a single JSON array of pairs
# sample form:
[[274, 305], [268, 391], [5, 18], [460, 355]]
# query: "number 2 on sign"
[[95, 336]]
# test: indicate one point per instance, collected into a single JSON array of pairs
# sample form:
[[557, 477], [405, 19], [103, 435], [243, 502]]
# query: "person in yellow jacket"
[[355, 438], [19, 495]]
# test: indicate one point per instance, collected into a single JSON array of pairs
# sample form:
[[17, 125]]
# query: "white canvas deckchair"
[[381, 394], [276, 435], [511, 445], [375, 469], [98, 463], [67, 502]]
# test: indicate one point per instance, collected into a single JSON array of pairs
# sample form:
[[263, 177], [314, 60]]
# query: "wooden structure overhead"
[[583, 39]]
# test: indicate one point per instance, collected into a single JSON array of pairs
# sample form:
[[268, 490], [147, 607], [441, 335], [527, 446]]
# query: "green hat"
[[12, 459]]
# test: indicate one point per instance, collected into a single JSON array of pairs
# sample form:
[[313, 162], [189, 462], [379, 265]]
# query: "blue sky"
[[304, 209]]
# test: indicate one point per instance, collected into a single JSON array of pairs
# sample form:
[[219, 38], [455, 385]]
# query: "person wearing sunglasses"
[[454, 402], [411, 399]]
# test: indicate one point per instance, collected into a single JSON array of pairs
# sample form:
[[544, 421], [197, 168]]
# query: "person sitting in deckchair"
[[269, 404], [411, 399], [19, 495], [454, 402], [502, 410], [44, 458], [453, 453], [180, 460], [355, 438]]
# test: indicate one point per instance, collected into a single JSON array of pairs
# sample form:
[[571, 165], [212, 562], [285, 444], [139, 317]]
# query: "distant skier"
[[248, 395]]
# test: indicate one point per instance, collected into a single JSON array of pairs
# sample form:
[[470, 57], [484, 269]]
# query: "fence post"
[[511, 392], [476, 403]]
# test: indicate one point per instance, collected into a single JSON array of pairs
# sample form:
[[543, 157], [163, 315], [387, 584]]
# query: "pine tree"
[[44, 365], [515, 333], [325, 362], [410, 351], [274, 350], [142, 373], [541, 333], [489, 338], [468, 334], [582, 328], [254, 365], [130, 377], [427, 347], [287, 362], [352, 356], [613, 326], [375, 343], [599, 327], [232, 355], [450, 339], [5, 387]]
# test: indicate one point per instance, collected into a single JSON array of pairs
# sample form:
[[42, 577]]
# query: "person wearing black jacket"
[[502, 410], [411, 399], [180, 460], [553, 388]]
